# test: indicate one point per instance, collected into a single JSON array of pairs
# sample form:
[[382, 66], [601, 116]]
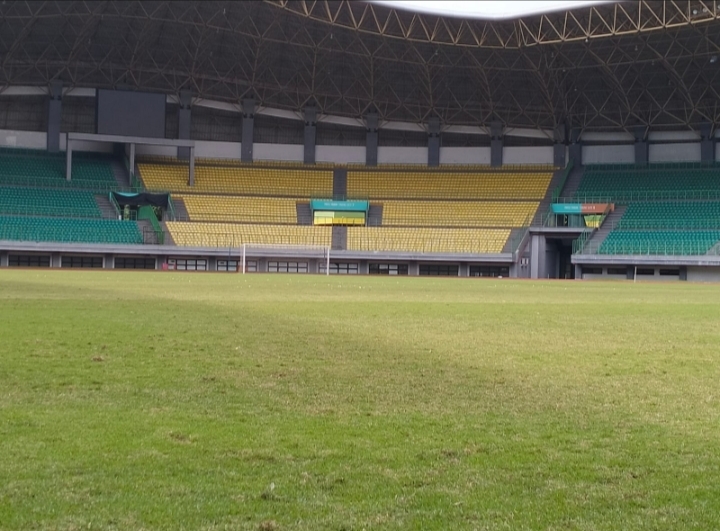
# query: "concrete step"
[[339, 239], [181, 213], [606, 228], [375, 214], [120, 173], [107, 209], [573, 182], [304, 214]]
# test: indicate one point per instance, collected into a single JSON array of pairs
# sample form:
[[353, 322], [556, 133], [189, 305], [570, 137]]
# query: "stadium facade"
[[205, 135]]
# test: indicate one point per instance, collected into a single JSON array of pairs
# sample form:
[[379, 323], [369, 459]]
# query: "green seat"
[[69, 230]]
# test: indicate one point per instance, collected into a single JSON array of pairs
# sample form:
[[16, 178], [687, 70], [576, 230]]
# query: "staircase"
[[304, 214], [339, 238], [181, 213], [107, 209], [168, 237], [514, 234], [600, 234], [374, 217], [573, 182], [120, 174]]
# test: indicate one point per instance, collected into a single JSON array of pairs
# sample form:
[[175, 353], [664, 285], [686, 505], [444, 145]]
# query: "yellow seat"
[[189, 234], [240, 209], [427, 240], [458, 213]]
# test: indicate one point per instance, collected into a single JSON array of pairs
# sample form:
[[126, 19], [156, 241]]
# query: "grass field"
[[186, 401]]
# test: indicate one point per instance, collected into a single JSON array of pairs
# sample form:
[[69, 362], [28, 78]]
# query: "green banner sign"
[[339, 206]]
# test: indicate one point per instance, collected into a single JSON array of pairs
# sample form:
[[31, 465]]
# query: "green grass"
[[177, 401]]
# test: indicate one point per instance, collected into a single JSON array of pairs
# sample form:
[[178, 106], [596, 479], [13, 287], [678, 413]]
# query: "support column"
[[537, 256], [191, 173], [55, 260], [212, 263], [109, 262], [578, 272], [248, 128], [559, 147], [184, 111], [630, 272], [496, 144], [371, 139], [4, 259], [363, 268], [68, 160], [707, 143], [54, 117], [434, 141], [310, 127], [575, 147], [132, 160], [641, 145], [464, 270], [683, 273], [413, 269]]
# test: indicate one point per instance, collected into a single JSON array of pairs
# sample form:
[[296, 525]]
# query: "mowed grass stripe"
[[178, 401]]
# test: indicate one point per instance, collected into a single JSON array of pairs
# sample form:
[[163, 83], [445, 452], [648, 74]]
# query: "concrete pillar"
[[641, 145], [183, 153], [212, 263], [575, 147], [3, 258], [707, 143], [339, 184], [109, 261], [191, 172], [54, 116], [314, 266], [537, 256], [683, 272], [496, 144], [363, 267], [630, 272], [578, 272], [559, 147], [464, 270], [68, 160], [248, 128], [371, 139], [132, 161], [262, 265], [55, 260], [434, 141], [413, 269], [310, 128]]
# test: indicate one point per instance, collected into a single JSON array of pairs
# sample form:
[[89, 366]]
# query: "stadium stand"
[[487, 185], [261, 181], [458, 213], [32, 201], [656, 181], [42, 169], [427, 240], [240, 209], [54, 229], [196, 234], [671, 215], [660, 242]]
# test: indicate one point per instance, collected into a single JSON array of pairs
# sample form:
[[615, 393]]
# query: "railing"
[[627, 196], [63, 235], [653, 166], [171, 209], [115, 204], [674, 224], [692, 248], [58, 183], [48, 211], [194, 238], [579, 244]]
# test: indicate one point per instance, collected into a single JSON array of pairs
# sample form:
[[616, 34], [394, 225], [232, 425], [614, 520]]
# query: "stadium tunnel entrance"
[[551, 252]]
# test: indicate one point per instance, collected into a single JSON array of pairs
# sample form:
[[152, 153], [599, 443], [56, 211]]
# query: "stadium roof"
[[608, 66], [486, 9]]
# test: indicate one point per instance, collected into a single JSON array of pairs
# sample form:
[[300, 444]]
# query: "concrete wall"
[[623, 154], [465, 155], [528, 155], [340, 154], [703, 274], [402, 155], [23, 139], [674, 152], [283, 152]]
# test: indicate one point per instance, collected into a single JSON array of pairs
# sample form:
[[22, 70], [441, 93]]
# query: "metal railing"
[[50, 211], [688, 248], [628, 196], [657, 224]]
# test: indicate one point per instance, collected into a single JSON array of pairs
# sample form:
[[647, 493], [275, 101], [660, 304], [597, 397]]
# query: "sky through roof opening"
[[487, 9]]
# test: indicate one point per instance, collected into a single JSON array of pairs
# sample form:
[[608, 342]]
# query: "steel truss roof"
[[616, 66]]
